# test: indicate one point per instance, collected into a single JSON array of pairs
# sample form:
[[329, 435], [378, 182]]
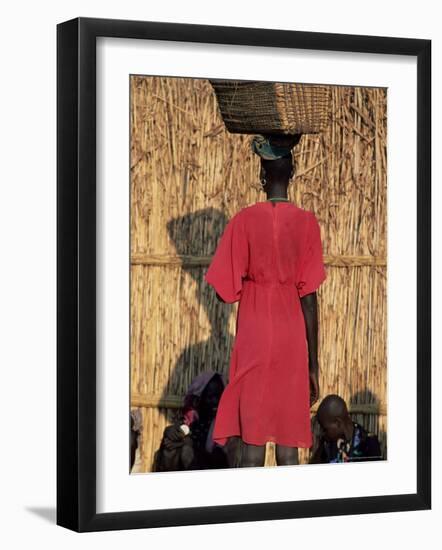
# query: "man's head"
[[333, 417]]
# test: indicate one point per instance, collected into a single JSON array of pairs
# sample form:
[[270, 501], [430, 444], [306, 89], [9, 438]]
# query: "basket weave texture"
[[258, 107]]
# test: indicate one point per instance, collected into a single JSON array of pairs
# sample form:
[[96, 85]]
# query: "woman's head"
[[212, 394], [203, 395], [275, 152], [277, 171]]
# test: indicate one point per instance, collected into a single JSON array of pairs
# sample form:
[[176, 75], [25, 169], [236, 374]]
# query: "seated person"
[[135, 430], [187, 444], [339, 439]]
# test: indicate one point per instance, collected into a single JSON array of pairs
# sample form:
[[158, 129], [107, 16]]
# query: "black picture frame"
[[76, 273]]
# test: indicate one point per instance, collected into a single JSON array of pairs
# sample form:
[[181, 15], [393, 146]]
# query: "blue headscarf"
[[267, 150]]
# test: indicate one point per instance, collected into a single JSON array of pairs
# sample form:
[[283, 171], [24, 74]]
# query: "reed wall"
[[188, 177]]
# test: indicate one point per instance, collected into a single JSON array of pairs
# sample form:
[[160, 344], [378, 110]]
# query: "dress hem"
[[222, 441]]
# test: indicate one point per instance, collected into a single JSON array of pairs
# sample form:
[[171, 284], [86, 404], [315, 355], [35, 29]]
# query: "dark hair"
[[278, 169], [332, 405]]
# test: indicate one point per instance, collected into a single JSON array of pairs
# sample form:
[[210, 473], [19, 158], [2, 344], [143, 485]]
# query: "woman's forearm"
[[309, 306]]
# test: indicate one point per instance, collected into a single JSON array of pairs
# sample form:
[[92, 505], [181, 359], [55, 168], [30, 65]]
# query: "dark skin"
[[334, 418], [334, 423], [275, 183], [309, 304]]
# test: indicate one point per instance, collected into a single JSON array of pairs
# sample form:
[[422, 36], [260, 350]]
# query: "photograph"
[[258, 274], [218, 222]]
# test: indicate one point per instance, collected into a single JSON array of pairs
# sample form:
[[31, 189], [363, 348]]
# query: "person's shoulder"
[[249, 208], [369, 442], [372, 438], [238, 216], [246, 212], [237, 220], [308, 217]]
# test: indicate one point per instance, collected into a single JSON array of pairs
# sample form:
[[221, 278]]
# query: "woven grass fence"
[[188, 177]]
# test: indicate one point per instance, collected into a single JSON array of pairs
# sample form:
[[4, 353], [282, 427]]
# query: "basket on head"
[[259, 107]]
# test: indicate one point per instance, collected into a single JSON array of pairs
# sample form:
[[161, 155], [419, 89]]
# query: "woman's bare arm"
[[309, 304]]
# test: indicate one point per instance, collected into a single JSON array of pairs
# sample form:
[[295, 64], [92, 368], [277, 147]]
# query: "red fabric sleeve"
[[312, 272], [230, 261]]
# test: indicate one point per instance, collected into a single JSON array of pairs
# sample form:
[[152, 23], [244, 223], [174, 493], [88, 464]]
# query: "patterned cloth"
[[267, 150], [363, 446]]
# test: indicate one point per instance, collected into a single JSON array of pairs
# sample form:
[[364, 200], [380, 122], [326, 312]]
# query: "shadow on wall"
[[193, 235], [197, 234]]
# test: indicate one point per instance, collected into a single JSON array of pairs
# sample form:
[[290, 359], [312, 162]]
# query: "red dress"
[[269, 256]]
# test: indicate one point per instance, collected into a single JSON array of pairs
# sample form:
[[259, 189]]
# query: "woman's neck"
[[277, 190]]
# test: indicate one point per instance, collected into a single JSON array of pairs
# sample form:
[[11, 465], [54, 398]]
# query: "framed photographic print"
[[243, 274]]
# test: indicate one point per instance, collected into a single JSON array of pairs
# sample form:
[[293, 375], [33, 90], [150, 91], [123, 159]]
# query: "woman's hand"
[[173, 437], [314, 386]]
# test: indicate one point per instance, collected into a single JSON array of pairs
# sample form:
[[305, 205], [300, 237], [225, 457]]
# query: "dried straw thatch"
[[188, 177]]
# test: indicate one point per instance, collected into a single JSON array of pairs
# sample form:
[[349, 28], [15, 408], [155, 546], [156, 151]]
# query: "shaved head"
[[332, 406], [333, 417]]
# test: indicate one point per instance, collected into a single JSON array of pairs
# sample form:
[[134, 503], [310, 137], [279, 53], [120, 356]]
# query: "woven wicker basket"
[[258, 107]]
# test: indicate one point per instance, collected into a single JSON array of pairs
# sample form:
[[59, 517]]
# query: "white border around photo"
[[119, 491]]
